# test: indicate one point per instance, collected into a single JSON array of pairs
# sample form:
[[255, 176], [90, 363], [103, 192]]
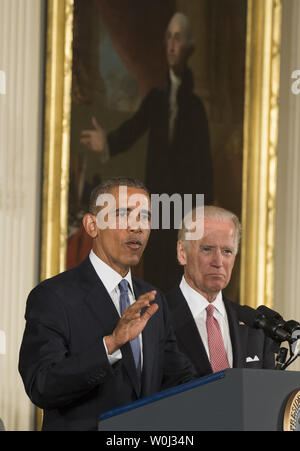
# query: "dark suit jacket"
[[63, 361], [246, 341]]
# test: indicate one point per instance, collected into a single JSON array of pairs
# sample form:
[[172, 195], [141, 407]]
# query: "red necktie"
[[217, 352]]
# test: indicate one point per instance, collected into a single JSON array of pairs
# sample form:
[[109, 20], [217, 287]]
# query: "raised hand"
[[94, 139], [132, 323]]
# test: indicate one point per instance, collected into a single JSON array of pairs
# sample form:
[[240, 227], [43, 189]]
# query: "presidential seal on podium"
[[291, 419]]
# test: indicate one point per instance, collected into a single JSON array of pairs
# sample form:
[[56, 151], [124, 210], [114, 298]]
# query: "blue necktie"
[[124, 303]]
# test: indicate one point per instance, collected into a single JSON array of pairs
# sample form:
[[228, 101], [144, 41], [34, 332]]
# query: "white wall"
[[287, 238], [21, 50]]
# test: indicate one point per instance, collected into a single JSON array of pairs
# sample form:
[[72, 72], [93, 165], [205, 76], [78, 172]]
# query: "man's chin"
[[133, 260], [216, 287]]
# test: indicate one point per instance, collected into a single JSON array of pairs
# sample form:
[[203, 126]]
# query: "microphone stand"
[[281, 363], [294, 353], [279, 330], [281, 358]]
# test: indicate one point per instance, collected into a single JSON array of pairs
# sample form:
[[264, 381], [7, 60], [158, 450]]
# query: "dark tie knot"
[[210, 310], [123, 286]]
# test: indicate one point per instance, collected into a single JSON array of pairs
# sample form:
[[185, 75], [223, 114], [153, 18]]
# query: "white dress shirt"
[[175, 83], [197, 304], [111, 279]]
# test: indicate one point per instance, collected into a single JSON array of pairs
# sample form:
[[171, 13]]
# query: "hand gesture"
[[94, 139], [132, 323]]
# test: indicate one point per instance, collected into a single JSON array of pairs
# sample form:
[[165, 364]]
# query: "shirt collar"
[[175, 80], [109, 277], [197, 303]]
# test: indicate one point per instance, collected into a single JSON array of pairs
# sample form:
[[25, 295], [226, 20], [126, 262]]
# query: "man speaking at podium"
[[207, 325], [95, 337]]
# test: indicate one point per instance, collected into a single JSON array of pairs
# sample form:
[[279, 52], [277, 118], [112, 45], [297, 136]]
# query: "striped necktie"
[[217, 352], [124, 303]]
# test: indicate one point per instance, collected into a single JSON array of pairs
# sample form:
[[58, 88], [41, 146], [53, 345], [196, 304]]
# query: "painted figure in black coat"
[[178, 154]]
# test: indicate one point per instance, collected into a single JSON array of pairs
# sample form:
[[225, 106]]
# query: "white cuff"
[[115, 356]]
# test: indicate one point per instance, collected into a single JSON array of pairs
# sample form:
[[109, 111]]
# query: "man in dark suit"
[[178, 155], [95, 337], [207, 325]]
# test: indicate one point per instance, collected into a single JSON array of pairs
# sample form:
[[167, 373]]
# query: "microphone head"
[[293, 327], [248, 316], [269, 314], [266, 319]]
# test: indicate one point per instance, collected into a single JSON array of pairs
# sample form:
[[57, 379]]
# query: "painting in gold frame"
[[259, 145]]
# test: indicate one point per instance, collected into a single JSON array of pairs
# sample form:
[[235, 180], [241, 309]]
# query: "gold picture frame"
[[56, 136], [259, 154], [261, 112]]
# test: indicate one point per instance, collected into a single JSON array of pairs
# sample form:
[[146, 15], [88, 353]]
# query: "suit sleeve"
[[52, 376], [177, 367], [124, 137], [270, 349]]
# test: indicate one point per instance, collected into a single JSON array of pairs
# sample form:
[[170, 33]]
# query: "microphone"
[[269, 321], [291, 326], [274, 326]]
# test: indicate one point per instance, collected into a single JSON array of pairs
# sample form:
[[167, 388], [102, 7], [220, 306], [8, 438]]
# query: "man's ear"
[[90, 225], [181, 252]]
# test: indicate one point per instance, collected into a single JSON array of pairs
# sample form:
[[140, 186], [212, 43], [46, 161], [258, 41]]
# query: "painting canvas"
[[120, 81]]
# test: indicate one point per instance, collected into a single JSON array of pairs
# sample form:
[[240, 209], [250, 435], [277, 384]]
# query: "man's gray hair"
[[107, 185], [217, 214], [186, 26]]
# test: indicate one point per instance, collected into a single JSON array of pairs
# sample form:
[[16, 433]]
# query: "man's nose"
[[217, 259], [170, 44], [134, 224]]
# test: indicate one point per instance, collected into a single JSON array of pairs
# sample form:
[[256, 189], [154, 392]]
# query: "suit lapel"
[[148, 338], [190, 340], [187, 333], [238, 335], [101, 305], [97, 298]]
